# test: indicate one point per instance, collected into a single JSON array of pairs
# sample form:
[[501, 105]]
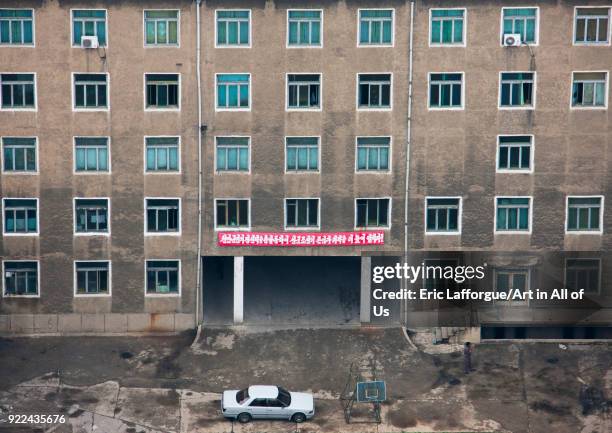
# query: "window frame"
[[599, 268], [357, 82], [288, 108], [519, 107], [71, 16], [459, 217], [451, 107], [92, 295], [219, 109], [33, 44], [107, 233], [176, 233], [599, 231], [301, 228], [36, 233], [289, 46], [179, 280], [14, 172], [144, 93], [367, 228], [178, 29], [389, 170], [4, 292], [392, 44], [85, 109], [31, 109], [517, 170], [216, 17], [442, 44], [537, 25], [529, 216], [232, 172], [162, 172], [512, 270], [91, 172], [232, 229], [587, 107], [298, 171], [575, 27]]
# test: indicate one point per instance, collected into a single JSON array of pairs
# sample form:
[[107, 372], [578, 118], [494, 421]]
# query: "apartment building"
[[301, 153]]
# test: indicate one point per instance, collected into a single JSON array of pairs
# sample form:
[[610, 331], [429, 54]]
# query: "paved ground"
[[160, 384]]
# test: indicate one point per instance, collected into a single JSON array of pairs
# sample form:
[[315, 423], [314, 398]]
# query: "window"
[[522, 21], [91, 154], [163, 215], [583, 274], [20, 216], [443, 215], [92, 278], [584, 214], [232, 214], [233, 91], [433, 276], [592, 26], [372, 212], [376, 27], [511, 280], [304, 28], [16, 27], [163, 277], [373, 153], [90, 91], [303, 91], [445, 90], [88, 22], [161, 28], [302, 153], [162, 154], [20, 278], [514, 153], [18, 91], [233, 153], [19, 154], [162, 91], [374, 91], [513, 214], [301, 213], [447, 27], [91, 216], [233, 28], [589, 90], [517, 90]]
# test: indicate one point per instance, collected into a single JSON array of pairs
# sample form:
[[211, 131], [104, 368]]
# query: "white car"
[[267, 402]]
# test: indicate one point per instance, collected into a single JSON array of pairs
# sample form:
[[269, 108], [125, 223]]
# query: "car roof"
[[263, 391]]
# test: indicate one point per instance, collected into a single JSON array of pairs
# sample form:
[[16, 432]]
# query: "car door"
[[258, 408], [276, 409]]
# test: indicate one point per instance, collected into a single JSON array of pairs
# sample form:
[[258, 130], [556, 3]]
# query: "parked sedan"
[[267, 402]]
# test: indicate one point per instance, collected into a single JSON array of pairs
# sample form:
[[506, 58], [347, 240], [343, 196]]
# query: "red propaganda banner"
[[300, 239]]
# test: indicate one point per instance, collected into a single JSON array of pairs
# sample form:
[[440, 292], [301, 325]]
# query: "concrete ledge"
[[22, 323], [92, 323], [69, 323], [140, 322], [115, 323], [45, 323], [182, 322], [162, 322], [5, 323]]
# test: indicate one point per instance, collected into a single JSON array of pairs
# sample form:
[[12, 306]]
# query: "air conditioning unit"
[[89, 41], [512, 40]]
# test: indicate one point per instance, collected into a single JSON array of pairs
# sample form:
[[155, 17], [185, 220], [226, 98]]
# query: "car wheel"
[[298, 417], [243, 418]]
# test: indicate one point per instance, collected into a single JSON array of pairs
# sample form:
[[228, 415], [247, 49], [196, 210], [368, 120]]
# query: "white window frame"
[[179, 280], [105, 26], [85, 109], [91, 172], [358, 108], [459, 217], [92, 295], [534, 91], [5, 294], [451, 108], [162, 172], [177, 233], [32, 109], [144, 93], [232, 172], [514, 232], [30, 234], [575, 27], [250, 44], [19, 173], [366, 228], [178, 29], [537, 25], [299, 228], [518, 170], [513, 270], [287, 45], [33, 44], [297, 171], [376, 172], [442, 44], [601, 216], [593, 107], [219, 109], [392, 44], [232, 229], [287, 107], [107, 233]]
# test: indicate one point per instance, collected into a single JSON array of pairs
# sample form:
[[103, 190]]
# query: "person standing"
[[467, 357]]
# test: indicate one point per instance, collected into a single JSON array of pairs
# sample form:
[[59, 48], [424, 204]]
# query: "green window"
[[20, 216], [445, 90], [92, 278], [16, 27], [583, 274], [522, 21], [91, 215], [372, 212], [373, 153], [162, 154], [304, 28], [90, 91], [304, 91], [232, 154], [88, 22], [374, 91], [232, 213], [163, 215], [18, 91], [19, 154], [20, 278], [589, 89], [91, 154], [233, 91], [517, 89], [376, 27], [513, 213], [161, 27], [447, 26], [233, 28], [301, 212], [584, 214], [162, 91], [442, 215], [514, 153], [302, 153], [163, 276], [592, 26]]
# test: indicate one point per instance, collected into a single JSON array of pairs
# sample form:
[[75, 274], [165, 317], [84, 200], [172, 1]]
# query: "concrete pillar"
[[366, 288], [238, 289]]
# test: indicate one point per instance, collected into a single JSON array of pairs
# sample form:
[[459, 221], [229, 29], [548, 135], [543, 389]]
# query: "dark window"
[[162, 90], [372, 212], [90, 91], [20, 278], [162, 276], [374, 90], [302, 212], [514, 153], [19, 154], [304, 91], [92, 277], [232, 213], [17, 91], [91, 215], [443, 214], [20, 216], [163, 215]]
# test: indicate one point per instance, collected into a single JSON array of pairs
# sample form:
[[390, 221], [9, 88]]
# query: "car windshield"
[[284, 396], [242, 395]]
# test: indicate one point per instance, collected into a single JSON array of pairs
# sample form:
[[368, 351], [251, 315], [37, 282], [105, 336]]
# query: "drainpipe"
[[199, 132], [408, 142]]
